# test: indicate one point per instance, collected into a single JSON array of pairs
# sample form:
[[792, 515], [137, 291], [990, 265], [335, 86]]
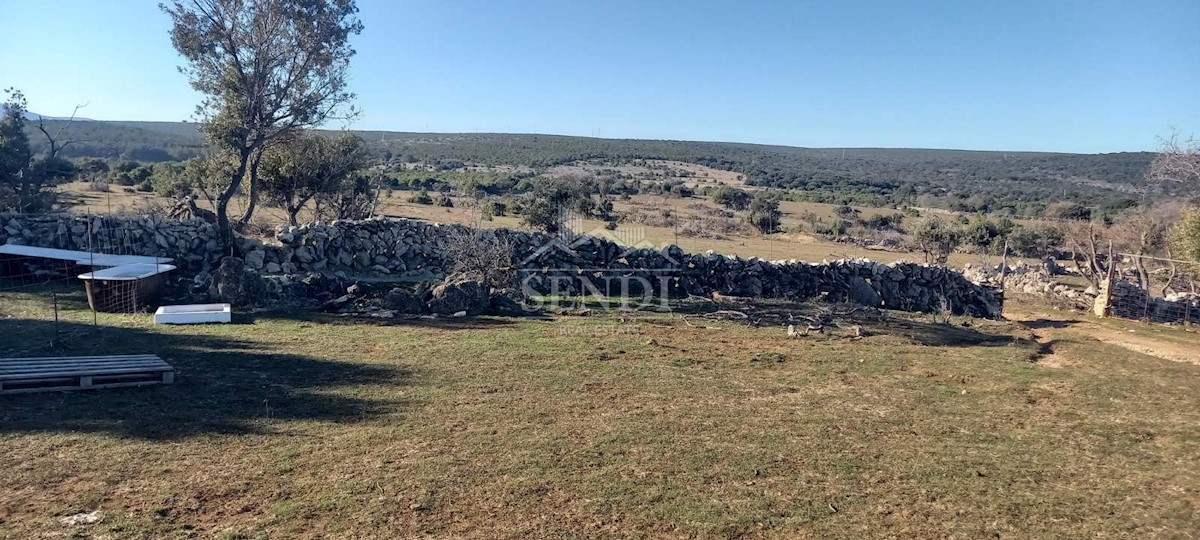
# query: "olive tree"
[[937, 239], [551, 201], [266, 68], [764, 213], [307, 166]]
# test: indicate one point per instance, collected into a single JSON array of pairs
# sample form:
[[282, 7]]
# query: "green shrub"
[[422, 197]]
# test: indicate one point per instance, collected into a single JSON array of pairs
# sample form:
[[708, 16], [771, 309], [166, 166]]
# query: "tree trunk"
[[253, 191], [292, 211], [235, 180], [1143, 275]]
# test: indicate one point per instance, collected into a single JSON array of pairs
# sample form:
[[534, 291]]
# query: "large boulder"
[[508, 303], [403, 301], [456, 294], [234, 283], [256, 259], [862, 293]]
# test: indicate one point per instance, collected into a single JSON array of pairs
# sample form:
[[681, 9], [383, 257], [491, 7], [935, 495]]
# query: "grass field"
[[292, 425]]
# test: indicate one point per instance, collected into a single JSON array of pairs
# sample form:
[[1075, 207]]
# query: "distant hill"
[[34, 116], [967, 178]]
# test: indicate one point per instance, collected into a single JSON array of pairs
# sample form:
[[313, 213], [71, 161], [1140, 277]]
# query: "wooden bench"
[[82, 372]]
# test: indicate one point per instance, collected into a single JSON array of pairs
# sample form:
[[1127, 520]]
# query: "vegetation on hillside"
[[1020, 183]]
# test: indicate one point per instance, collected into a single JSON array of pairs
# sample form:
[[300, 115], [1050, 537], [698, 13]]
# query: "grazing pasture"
[[295, 425]]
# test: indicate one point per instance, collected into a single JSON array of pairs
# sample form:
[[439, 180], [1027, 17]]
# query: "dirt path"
[[1050, 327]]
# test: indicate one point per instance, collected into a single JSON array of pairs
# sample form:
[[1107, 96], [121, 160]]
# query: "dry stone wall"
[[192, 243], [382, 248]]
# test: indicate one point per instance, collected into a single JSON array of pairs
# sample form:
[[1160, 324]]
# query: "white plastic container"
[[193, 314]]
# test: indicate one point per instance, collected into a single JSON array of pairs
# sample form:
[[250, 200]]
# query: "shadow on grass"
[[945, 335], [440, 323], [223, 386], [1039, 324]]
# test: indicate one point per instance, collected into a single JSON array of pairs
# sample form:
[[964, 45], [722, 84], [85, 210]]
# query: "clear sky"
[[1084, 76]]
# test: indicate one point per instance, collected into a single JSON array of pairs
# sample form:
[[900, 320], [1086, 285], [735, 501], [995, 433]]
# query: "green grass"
[[292, 425]]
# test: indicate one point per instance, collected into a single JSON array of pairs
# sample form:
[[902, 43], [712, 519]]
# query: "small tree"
[[987, 235], [354, 198], [551, 200], [1035, 240], [307, 166], [731, 198], [25, 179], [764, 214], [266, 69], [937, 239]]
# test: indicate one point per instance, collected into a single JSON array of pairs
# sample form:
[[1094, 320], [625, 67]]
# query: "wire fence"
[[45, 304], [1151, 289]]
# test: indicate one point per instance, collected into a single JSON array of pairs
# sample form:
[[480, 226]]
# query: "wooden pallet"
[[82, 372]]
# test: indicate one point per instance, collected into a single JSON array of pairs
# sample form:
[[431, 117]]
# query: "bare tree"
[[266, 68], [1143, 233], [1084, 239], [1178, 161], [483, 254], [56, 142]]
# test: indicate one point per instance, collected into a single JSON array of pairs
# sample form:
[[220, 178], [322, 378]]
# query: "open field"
[[778, 246], [292, 425]]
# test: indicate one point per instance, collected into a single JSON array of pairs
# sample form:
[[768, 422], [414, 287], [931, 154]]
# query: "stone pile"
[[1037, 279]]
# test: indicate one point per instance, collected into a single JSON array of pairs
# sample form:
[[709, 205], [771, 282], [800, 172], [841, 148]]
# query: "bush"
[[444, 201], [1068, 210], [846, 212], [124, 178], [98, 183], [168, 180], [937, 239], [986, 234], [1185, 235], [494, 209], [682, 191], [764, 214], [550, 199], [884, 222], [422, 197], [731, 198], [1035, 241]]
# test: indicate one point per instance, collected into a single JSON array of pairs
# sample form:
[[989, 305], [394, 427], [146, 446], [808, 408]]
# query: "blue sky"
[[1092, 76]]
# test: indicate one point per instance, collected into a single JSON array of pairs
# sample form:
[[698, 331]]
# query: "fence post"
[[92, 266], [1004, 265], [1108, 283], [55, 342]]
